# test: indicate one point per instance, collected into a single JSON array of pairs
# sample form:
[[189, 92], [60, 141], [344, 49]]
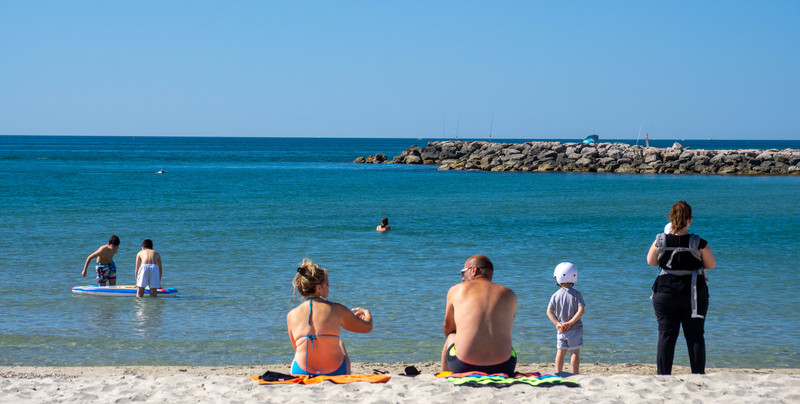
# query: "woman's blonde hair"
[[309, 276], [679, 215]]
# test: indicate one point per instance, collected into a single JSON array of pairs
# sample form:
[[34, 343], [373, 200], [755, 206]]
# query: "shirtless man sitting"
[[106, 270], [478, 321], [148, 269]]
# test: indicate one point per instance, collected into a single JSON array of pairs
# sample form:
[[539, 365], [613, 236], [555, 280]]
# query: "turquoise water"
[[233, 217]]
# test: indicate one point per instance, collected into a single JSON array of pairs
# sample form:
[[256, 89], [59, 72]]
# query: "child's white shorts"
[[148, 276], [572, 339]]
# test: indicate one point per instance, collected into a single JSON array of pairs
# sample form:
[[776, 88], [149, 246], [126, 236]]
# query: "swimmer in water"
[[384, 226]]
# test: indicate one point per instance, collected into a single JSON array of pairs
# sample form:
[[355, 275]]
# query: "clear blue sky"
[[677, 69]]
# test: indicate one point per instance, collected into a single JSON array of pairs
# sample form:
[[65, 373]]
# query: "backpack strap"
[[694, 244]]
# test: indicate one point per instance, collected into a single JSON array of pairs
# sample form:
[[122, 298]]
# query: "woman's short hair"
[[309, 276], [679, 215]]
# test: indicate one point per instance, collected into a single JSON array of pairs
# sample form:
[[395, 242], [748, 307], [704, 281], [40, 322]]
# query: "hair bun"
[[300, 271]]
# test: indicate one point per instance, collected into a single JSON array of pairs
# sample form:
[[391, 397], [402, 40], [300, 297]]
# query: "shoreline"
[[622, 382], [388, 368]]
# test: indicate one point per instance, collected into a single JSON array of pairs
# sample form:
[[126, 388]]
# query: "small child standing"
[[565, 310]]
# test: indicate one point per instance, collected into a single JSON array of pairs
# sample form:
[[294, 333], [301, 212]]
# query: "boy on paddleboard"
[[106, 270], [148, 269]]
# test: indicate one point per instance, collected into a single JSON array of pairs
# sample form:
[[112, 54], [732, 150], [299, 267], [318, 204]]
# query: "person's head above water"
[[680, 216], [477, 267], [309, 278], [385, 221]]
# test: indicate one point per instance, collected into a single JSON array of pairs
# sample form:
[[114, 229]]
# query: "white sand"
[[599, 383]]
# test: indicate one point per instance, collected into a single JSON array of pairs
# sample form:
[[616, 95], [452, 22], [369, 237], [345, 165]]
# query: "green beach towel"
[[480, 379]]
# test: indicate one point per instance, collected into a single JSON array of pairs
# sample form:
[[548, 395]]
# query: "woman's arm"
[[356, 320], [289, 328], [709, 262], [652, 255]]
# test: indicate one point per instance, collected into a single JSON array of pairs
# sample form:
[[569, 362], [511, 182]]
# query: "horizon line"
[[493, 139]]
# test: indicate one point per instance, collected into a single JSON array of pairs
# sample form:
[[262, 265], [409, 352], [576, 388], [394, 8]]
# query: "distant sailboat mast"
[[638, 135], [458, 124], [491, 125], [444, 132]]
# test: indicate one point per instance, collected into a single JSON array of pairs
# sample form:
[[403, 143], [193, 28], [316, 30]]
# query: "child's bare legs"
[[574, 360], [560, 354]]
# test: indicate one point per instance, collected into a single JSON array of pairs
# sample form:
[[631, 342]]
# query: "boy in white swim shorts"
[[148, 269], [565, 310]]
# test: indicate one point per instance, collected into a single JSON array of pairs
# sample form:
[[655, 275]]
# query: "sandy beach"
[[599, 383]]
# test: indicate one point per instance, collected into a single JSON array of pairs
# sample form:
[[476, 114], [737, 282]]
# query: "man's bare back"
[[484, 315], [479, 317]]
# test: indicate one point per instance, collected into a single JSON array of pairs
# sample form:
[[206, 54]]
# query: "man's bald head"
[[483, 264]]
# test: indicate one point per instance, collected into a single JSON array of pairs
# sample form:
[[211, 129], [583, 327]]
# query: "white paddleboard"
[[118, 290]]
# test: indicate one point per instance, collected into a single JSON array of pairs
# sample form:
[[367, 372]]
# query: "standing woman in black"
[[680, 293]]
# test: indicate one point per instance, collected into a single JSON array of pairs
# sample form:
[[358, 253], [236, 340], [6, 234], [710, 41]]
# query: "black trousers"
[[672, 312]]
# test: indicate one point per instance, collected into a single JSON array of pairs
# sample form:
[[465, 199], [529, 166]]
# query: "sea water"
[[233, 217]]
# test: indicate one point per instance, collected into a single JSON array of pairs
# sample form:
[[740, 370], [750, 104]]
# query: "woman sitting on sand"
[[680, 293], [314, 325]]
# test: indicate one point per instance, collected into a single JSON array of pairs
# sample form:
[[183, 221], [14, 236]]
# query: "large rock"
[[413, 159], [599, 157], [379, 158]]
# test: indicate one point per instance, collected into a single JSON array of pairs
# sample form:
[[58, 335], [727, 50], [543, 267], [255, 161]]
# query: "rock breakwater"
[[595, 157]]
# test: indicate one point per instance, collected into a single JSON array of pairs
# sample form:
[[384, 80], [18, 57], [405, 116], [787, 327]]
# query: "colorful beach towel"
[[305, 379], [480, 379]]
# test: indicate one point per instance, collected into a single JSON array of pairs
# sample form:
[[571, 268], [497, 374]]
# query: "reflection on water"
[[147, 316], [103, 314]]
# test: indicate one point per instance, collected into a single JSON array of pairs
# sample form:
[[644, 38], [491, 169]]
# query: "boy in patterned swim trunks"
[[106, 270]]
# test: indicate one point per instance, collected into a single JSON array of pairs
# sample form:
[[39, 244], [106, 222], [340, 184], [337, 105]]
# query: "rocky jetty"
[[373, 159], [595, 157]]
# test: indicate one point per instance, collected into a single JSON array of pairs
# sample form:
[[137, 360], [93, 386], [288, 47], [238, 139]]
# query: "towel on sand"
[[480, 379], [279, 378]]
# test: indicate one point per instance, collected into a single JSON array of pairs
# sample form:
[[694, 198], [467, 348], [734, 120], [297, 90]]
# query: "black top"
[[683, 261]]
